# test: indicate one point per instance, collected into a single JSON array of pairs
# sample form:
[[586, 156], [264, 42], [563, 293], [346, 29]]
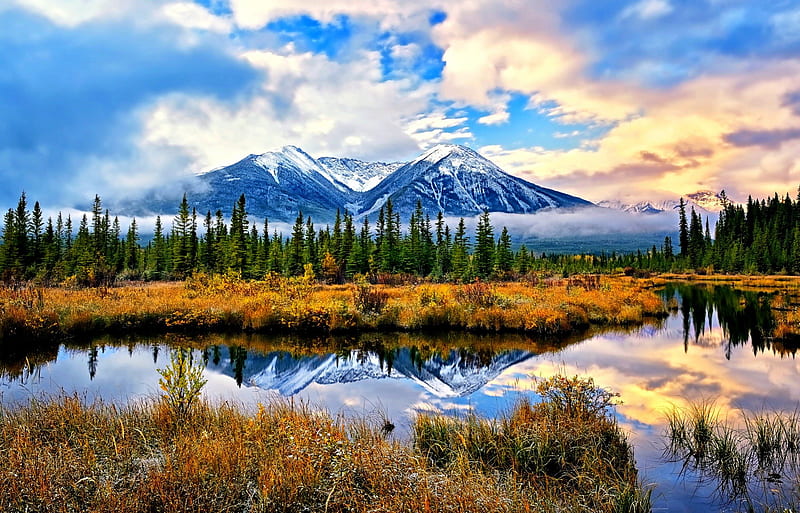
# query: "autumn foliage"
[[219, 303]]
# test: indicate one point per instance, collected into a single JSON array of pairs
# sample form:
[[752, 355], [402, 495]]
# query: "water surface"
[[716, 345]]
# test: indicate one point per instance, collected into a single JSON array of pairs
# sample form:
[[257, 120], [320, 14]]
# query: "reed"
[[753, 459], [66, 454]]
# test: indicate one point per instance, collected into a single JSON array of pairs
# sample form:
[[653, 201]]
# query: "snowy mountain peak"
[[704, 202], [443, 151], [707, 200], [450, 178]]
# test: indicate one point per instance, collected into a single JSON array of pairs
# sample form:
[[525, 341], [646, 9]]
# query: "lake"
[[715, 346]]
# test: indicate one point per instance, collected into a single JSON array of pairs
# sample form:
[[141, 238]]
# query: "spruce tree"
[[181, 243], [483, 259], [683, 229], [460, 256], [504, 257], [132, 248], [294, 255]]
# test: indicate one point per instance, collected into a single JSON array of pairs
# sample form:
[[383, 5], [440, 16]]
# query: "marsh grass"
[[754, 460], [276, 304], [560, 449], [65, 454]]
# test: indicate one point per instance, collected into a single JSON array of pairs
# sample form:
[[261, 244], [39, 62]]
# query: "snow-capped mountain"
[[458, 181], [360, 176], [704, 202], [709, 201], [277, 184], [456, 374]]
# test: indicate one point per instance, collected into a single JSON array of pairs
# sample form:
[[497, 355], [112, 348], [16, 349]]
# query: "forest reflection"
[[755, 317]]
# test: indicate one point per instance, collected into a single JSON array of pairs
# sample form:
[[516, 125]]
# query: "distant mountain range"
[[453, 179], [704, 202], [449, 178]]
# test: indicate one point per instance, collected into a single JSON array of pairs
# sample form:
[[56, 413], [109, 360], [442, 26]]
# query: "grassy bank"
[[219, 303], [565, 454]]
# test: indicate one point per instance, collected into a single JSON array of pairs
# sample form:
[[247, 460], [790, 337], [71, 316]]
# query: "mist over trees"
[[761, 236]]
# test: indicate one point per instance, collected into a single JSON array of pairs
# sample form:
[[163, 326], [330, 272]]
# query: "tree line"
[[99, 250], [761, 236]]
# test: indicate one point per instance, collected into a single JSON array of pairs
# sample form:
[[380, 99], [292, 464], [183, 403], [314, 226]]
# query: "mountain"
[[451, 178], [460, 182], [360, 176], [704, 202], [452, 375], [277, 185]]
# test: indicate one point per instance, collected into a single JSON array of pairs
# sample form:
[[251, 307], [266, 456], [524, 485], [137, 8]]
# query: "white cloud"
[[194, 16], [437, 127], [490, 47], [75, 12], [254, 14], [495, 118], [325, 107], [578, 222], [647, 9]]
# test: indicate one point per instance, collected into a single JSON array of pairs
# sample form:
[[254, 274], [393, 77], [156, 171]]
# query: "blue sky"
[[634, 99]]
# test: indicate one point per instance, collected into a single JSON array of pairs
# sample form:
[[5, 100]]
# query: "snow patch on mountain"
[[458, 181], [356, 174], [449, 178]]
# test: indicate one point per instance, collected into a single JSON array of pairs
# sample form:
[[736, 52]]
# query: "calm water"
[[712, 347]]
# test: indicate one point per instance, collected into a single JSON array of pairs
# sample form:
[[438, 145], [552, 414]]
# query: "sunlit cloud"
[[643, 99]]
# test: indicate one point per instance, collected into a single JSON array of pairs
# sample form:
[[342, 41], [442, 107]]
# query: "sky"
[[619, 99]]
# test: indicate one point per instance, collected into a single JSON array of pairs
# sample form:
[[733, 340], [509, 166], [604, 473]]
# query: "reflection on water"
[[718, 345], [745, 317]]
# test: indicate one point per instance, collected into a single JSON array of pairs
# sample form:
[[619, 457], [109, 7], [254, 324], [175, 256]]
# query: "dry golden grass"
[[64, 455], [218, 303]]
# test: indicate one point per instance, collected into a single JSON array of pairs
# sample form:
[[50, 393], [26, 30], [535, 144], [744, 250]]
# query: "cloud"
[[765, 138], [71, 99], [193, 16], [647, 9], [579, 222], [309, 100], [70, 13], [495, 118], [255, 14]]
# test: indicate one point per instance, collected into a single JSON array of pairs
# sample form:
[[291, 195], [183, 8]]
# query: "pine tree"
[[294, 255], [483, 259], [132, 248], [181, 242], [208, 258], [157, 266], [668, 251], [237, 256], [460, 256], [36, 231], [683, 229], [504, 257], [522, 262]]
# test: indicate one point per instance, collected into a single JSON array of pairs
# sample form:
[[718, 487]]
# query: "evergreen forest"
[[762, 236]]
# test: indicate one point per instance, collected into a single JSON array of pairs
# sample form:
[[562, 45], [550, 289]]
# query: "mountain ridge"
[[704, 202], [453, 179]]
